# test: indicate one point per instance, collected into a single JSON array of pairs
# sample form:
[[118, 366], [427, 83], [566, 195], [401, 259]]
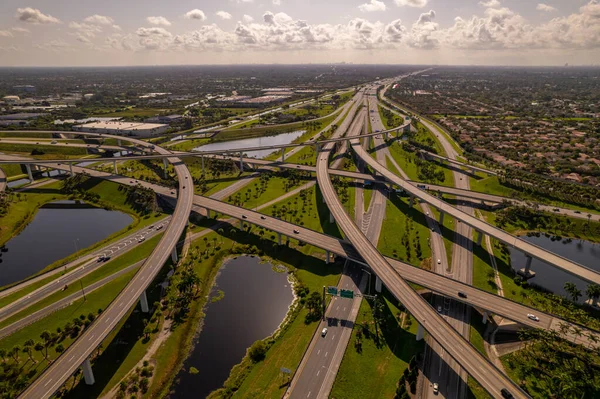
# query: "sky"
[[183, 32]]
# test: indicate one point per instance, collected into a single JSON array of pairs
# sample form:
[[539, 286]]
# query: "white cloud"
[[6, 33], [245, 1], [247, 19], [196, 14], [99, 20], [88, 31], [545, 7], [411, 3], [20, 30], [35, 16], [223, 15], [490, 3], [162, 21], [373, 5], [424, 32], [276, 2], [146, 32]]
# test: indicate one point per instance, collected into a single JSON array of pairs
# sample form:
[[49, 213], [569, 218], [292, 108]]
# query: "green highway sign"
[[347, 294], [332, 290]]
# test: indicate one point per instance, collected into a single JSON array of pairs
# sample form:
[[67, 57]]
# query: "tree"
[[573, 291], [28, 349], [257, 351], [593, 292], [3, 355], [14, 352], [314, 302]]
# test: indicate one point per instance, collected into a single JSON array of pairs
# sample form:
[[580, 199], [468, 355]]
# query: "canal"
[[551, 278], [57, 230], [280, 139], [256, 300]]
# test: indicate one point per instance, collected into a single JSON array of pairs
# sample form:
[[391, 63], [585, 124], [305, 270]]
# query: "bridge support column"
[[241, 224], [283, 155], [279, 238], [119, 142], [174, 256], [71, 168], [48, 172], [29, 174], [378, 284], [88, 374], [420, 332], [115, 167], [441, 218], [144, 302], [165, 164], [241, 162], [479, 237], [412, 200], [485, 317], [526, 272], [331, 218], [472, 171], [207, 213], [326, 257], [202, 157]]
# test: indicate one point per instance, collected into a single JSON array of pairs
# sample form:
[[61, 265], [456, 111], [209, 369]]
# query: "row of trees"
[[592, 292]]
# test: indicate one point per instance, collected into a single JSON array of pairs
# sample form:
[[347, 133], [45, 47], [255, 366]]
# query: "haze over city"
[[486, 32]]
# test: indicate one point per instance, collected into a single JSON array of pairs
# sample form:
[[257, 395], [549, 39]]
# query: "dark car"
[[244, 217], [506, 394], [106, 258], [462, 294], [263, 218]]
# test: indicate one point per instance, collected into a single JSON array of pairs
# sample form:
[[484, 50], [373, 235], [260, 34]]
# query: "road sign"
[[347, 294], [332, 290], [286, 371]]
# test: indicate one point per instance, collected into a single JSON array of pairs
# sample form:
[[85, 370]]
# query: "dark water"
[[54, 234], [280, 139], [551, 278], [255, 303]]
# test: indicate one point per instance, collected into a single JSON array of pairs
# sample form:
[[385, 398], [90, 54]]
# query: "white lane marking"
[[319, 351], [337, 307], [308, 395], [318, 372], [344, 309], [49, 381], [92, 337], [326, 354], [71, 358], [333, 337]]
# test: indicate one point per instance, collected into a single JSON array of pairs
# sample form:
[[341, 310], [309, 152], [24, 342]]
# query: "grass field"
[[130, 112], [374, 371], [56, 151]]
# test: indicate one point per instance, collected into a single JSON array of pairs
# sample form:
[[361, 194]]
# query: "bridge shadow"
[[456, 168], [331, 229]]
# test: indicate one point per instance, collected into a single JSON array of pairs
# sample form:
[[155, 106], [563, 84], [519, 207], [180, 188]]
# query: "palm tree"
[[573, 291], [593, 292], [14, 352], [3, 355], [593, 338], [38, 347], [28, 349]]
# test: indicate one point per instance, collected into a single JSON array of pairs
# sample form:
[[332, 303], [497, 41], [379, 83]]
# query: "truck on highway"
[[421, 186]]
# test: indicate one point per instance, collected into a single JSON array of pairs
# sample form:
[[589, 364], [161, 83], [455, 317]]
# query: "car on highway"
[[533, 317], [263, 218], [577, 211], [462, 294], [436, 388], [439, 308], [151, 227], [159, 227], [324, 332], [506, 394], [53, 142], [296, 231], [106, 259], [439, 261], [100, 258], [244, 217], [141, 239]]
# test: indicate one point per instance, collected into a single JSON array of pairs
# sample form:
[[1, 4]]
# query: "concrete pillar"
[[441, 218], [115, 167], [472, 171], [485, 317], [241, 224], [202, 157], [174, 256], [144, 302], [331, 218], [526, 272], [378, 284], [279, 238], [479, 237], [412, 200], [283, 155], [528, 264], [208, 213], [318, 147], [165, 164], [241, 162], [119, 142], [326, 257], [48, 172], [88, 374], [28, 167], [71, 168], [420, 332]]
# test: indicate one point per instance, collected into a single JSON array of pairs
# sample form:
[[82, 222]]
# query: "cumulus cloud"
[[373, 5], [99, 20], [490, 3], [545, 7], [35, 16], [84, 30], [162, 21], [411, 3], [223, 15], [6, 33], [247, 19], [276, 2], [196, 14], [20, 30], [424, 32]]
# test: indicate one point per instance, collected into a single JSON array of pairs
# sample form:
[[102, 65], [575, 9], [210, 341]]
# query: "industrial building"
[[123, 128]]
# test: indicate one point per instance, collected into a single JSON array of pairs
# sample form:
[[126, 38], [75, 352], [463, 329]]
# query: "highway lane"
[[86, 265], [478, 366], [438, 283], [63, 367]]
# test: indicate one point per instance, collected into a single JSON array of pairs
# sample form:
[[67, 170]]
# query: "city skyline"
[[487, 32]]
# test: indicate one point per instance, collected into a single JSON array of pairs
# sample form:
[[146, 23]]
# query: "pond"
[[583, 252], [256, 300], [280, 139], [57, 230]]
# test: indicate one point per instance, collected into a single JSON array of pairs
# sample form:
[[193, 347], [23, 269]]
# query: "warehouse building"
[[123, 128]]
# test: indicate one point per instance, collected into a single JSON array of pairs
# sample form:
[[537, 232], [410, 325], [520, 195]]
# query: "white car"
[[324, 332], [439, 261], [141, 239], [436, 388], [439, 308], [533, 317]]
